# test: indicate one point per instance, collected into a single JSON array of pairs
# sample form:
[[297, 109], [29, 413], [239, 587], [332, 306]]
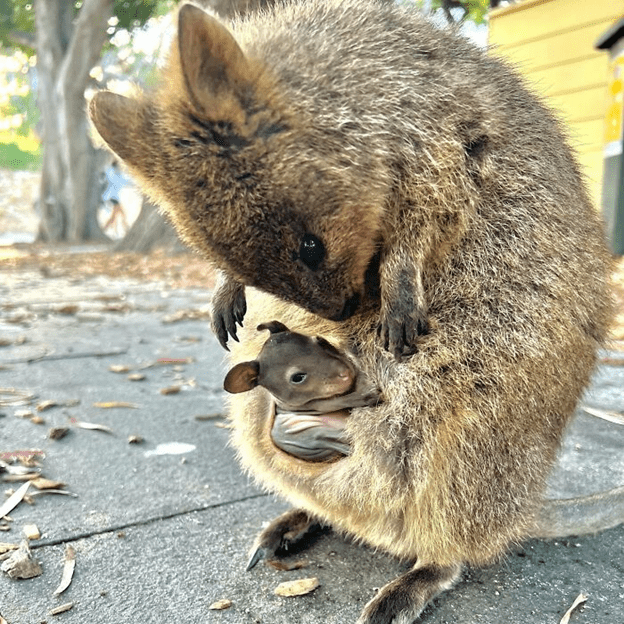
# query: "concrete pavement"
[[162, 531]]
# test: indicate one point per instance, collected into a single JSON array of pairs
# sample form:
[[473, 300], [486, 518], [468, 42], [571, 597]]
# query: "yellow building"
[[552, 43]]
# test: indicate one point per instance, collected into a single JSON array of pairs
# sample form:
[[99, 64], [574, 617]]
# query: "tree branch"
[[22, 38], [86, 44]]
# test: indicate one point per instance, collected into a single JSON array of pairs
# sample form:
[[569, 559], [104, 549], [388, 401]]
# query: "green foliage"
[[19, 15], [12, 156], [15, 15], [474, 10], [134, 13], [24, 105]]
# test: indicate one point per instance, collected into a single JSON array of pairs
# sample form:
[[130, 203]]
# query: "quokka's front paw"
[[400, 327], [228, 309], [283, 536]]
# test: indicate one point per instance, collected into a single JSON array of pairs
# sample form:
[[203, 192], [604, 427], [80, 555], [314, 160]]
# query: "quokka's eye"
[[311, 251], [298, 378]]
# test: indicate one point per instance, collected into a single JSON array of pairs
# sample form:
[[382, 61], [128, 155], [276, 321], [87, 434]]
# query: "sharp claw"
[[222, 337], [256, 556], [230, 326]]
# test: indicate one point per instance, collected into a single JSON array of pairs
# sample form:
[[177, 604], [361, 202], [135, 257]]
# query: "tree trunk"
[[149, 231], [66, 52]]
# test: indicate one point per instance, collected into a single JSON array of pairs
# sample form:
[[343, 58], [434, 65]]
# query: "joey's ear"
[[242, 377], [275, 327], [118, 119], [213, 65], [328, 346]]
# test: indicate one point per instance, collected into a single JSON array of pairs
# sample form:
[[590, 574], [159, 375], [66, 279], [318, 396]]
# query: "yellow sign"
[[615, 107]]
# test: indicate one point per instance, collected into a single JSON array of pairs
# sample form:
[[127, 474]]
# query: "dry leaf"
[[219, 605], [117, 307], [614, 417], [171, 390], [41, 483], [68, 570], [7, 546], [61, 608], [56, 433], [187, 315], [24, 413], [299, 587], [20, 469], [68, 309], [21, 563], [202, 417], [610, 361], [112, 404], [13, 396], [91, 426], [119, 368], [45, 405], [37, 420], [579, 599], [29, 458], [14, 500], [174, 361], [31, 531], [135, 439], [136, 377], [284, 566], [26, 471]]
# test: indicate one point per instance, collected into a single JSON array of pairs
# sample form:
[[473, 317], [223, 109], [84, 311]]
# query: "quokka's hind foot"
[[401, 601], [285, 535]]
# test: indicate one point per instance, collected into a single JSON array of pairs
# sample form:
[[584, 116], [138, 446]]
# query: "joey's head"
[[245, 173], [294, 368]]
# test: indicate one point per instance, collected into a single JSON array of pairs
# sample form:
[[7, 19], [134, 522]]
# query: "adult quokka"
[[384, 174]]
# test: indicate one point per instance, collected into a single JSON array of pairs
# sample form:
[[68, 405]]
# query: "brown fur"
[[378, 133]]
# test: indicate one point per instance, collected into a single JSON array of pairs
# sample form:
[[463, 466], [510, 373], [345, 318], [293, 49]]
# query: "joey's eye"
[[298, 378], [312, 251]]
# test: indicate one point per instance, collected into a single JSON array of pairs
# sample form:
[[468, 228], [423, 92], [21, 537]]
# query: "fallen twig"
[[53, 491], [113, 404], [579, 599], [61, 608], [220, 605], [91, 426]]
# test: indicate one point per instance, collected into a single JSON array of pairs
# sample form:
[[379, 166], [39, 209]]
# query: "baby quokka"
[[313, 384]]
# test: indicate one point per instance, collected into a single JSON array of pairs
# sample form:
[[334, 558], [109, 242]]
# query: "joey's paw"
[[399, 330], [284, 536], [228, 309]]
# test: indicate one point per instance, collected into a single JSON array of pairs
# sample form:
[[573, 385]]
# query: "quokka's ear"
[[213, 65], [117, 120], [242, 377]]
